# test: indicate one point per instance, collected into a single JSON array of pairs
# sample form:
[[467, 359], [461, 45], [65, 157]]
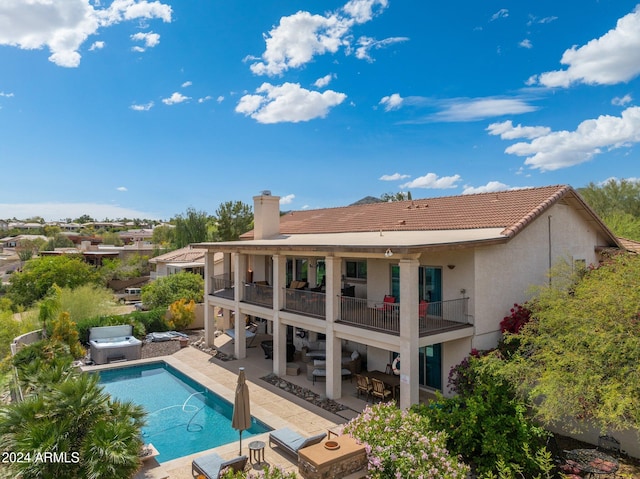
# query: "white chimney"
[[266, 215]]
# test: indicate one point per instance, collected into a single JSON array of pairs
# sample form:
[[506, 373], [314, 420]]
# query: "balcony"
[[258, 294], [307, 303], [439, 316], [222, 286]]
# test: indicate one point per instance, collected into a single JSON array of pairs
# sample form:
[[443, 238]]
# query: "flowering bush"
[[462, 377], [513, 323], [401, 444], [268, 473]]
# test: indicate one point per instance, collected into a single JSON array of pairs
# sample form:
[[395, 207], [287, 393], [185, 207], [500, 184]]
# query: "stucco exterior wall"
[[506, 273]]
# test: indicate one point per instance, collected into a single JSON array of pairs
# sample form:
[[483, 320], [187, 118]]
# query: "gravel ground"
[[166, 348]]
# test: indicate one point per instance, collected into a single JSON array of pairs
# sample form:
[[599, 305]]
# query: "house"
[[184, 259], [450, 268]]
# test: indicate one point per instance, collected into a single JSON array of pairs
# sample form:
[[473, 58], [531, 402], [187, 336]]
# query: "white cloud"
[[502, 13], [297, 39], [612, 58], [366, 44], [324, 81], [391, 102], [472, 109], [6, 95], [99, 45], [490, 187], [205, 98], [186, 84], [175, 98], [431, 180], [121, 188], [394, 177], [533, 19], [287, 200], [288, 103], [150, 40], [144, 107], [507, 131], [220, 99], [562, 149], [364, 10], [303, 35], [53, 211], [63, 26], [526, 43], [621, 101]]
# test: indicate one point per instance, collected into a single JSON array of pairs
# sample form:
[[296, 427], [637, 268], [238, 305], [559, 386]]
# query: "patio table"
[[594, 462]]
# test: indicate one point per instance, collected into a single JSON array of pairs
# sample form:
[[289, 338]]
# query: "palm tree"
[[94, 436]]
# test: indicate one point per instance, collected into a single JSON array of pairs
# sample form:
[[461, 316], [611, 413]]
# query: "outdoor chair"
[[422, 309], [363, 386], [291, 442], [379, 390], [211, 465], [250, 334], [386, 303]]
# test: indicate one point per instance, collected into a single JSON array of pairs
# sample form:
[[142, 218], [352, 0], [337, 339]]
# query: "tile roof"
[[182, 255], [630, 245], [510, 210]]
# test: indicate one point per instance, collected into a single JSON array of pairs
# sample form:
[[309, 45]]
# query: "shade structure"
[[241, 419]]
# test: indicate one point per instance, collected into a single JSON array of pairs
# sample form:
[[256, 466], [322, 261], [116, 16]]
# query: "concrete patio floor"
[[269, 403]]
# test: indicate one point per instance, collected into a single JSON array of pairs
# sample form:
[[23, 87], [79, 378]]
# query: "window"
[[356, 269]]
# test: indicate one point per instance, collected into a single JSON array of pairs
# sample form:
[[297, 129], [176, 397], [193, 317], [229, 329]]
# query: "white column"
[[334, 349], [312, 264], [240, 344], [209, 310], [409, 333], [279, 329]]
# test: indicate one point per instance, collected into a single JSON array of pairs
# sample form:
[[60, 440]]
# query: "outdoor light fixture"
[[451, 266], [388, 253]]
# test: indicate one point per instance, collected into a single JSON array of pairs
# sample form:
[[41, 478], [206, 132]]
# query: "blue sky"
[[132, 108]]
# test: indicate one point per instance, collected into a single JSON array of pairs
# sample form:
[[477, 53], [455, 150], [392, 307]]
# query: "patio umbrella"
[[241, 419]]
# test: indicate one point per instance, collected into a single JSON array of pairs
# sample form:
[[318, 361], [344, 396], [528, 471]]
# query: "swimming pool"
[[183, 417]]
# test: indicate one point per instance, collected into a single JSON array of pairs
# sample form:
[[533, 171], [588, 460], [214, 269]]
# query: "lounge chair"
[[211, 465], [291, 442], [250, 334]]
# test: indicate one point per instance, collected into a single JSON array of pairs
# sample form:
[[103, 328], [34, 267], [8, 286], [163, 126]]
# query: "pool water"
[[183, 417]]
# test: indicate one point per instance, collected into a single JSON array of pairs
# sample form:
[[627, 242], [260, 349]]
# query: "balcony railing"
[[385, 317], [222, 286], [309, 303], [259, 294]]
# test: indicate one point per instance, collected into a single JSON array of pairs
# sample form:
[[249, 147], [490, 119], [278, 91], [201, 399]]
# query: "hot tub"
[[114, 343]]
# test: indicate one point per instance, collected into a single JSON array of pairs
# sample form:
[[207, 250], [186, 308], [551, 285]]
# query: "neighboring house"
[[14, 241], [184, 259], [454, 265]]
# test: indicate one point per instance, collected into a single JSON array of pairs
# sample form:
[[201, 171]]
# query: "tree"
[[233, 218], [39, 274], [112, 238], [163, 235], [400, 196], [58, 241], [27, 248], [617, 202], [192, 227], [578, 356], [613, 196], [66, 412], [168, 289]]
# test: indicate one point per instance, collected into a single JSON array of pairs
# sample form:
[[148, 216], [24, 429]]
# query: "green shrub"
[[486, 423], [164, 291]]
